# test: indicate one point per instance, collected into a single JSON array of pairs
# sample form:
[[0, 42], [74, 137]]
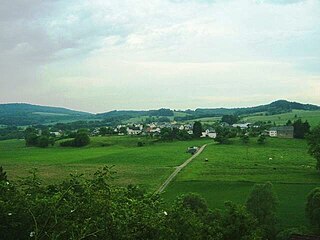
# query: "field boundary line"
[[179, 168]]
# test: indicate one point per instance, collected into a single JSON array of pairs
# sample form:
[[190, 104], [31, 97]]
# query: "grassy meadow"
[[147, 166], [313, 117], [233, 169], [229, 174]]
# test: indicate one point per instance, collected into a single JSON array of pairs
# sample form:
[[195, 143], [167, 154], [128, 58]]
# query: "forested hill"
[[28, 114], [21, 114], [151, 113], [277, 107]]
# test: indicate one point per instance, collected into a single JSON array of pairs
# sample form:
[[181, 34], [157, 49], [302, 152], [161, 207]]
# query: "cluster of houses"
[[150, 129], [155, 129]]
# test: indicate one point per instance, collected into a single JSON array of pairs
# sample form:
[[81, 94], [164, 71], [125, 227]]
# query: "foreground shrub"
[[82, 208]]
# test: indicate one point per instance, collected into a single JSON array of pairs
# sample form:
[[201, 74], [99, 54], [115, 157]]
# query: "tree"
[[313, 208], [197, 129], [31, 139], [43, 142], [123, 130], [190, 218], [289, 123], [222, 135], [313, 140], [262, 203], [245, 138], [103, 131], [31, 136], [3, 174], [82, 139], [238, 223], [168, 134], [261, 139], [300, 128], [230, 119]]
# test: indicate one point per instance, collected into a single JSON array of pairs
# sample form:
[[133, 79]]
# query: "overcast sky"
[[99, 55]]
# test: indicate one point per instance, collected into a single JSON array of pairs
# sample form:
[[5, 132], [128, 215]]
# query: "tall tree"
[[313, 140], [3, 175], [197, 129], [262, 203], [82, 139], [223, 135], [313, 209], [300, 128]]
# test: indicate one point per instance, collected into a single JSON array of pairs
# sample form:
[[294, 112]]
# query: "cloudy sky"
[[99, 55]]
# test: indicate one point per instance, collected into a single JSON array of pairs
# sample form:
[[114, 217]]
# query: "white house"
[[241, 125], [209, 133], [155, 130], [131, 131], [57, 134], [273, 133]]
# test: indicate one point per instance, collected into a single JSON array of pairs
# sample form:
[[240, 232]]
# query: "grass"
[[147, 166], [230, 174], [313, 117]]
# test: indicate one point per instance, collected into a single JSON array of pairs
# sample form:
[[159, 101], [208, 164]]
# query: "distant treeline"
[[26, 114]]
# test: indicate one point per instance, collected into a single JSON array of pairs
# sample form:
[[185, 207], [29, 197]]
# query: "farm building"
[[209, 133], [241, 125], [281, 132]]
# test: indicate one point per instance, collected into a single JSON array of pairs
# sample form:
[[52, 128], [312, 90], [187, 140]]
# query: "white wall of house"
[[273, 133]]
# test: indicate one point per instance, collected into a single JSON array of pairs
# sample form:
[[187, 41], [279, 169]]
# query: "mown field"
[[230, 174], [147, 166]]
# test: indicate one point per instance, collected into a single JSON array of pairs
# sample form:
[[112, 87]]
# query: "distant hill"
[[28, 114], [277, 107], [124, 115]]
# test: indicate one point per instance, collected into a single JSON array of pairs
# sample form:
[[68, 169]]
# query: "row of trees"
[[81, 139], [35, 139], [43, 138], [177, 134], [82, 208], [300, 129]]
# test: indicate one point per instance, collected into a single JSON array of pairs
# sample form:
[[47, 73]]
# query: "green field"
[[147, 166], [313, 117], [230, 174]]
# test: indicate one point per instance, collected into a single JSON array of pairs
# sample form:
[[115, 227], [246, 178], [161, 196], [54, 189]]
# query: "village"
[[154, 129]]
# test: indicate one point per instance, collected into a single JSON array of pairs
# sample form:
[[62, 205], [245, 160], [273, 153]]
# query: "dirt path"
[[179, 168]]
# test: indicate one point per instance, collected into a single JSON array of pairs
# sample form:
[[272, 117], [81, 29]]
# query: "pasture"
[[313, 117], [233, 169], [229, 174], [147, 166]]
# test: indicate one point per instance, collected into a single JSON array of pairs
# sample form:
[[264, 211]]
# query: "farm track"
[[179, 168]]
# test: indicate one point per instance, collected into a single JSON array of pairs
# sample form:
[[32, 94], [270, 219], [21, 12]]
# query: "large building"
[[281, 132]]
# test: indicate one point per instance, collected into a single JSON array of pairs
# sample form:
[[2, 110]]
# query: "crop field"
[[233, 169], [147, 166], [313, 117]]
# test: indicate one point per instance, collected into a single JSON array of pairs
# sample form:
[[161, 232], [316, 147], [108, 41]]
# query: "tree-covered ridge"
[[280, 106], [20, 114]]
